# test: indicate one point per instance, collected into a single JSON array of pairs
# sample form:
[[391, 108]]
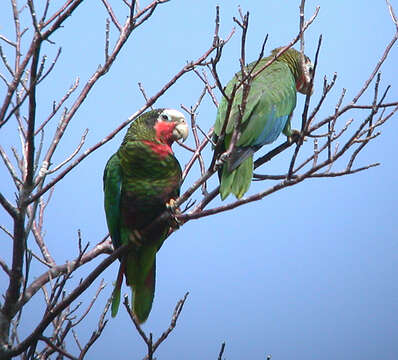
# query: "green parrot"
[[140, 181], [269, 108]]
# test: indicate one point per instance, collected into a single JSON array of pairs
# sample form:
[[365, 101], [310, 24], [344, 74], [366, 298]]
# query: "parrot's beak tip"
[[181, 130]]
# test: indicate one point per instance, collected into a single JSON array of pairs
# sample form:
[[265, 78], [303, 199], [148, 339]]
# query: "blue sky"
[[308, 272]]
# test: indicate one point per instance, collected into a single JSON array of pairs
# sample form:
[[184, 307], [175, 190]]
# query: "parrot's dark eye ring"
[[310, 69], [165, 117]]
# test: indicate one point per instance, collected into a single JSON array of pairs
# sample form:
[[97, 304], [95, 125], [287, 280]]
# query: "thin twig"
[[70, 157], [221, 351], [173, 322], [112, 15], [100, 288], [57, 348]]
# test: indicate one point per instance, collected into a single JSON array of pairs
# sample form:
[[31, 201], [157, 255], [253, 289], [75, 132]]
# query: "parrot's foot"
[[222, 159], [174, 210], [171, 204], [295, 137], [136, 238]]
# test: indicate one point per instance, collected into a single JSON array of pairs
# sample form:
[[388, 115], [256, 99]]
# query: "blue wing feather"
[[272, 129]]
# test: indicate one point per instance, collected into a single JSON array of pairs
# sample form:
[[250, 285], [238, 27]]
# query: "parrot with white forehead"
[[140, 180]]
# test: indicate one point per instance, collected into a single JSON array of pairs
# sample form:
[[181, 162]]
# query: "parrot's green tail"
[[115, 301], [143, 292], [237, 181], [142, 295], [116, 290]]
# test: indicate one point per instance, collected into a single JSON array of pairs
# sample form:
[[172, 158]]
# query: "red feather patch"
[[161, 149], [164, 131], [164, 134]]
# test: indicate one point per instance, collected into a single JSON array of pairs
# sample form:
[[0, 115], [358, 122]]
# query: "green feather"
[[243, 177], [112, 192], [237, 181], [143, 294], [115, 301]]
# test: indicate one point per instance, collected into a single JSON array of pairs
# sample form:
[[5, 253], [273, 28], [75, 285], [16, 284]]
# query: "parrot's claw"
[[222, 159], [174, 210], [136, 238], [171, 204], [295, 137]]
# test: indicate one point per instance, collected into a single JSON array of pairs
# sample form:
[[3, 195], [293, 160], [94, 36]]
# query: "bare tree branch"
[[152, 347]]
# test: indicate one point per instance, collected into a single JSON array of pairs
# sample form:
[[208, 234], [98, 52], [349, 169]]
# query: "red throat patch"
[[161, 149], [164, 134], [164, 131]]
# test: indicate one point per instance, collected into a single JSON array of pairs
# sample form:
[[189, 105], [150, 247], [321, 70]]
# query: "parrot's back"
[[269, 105]]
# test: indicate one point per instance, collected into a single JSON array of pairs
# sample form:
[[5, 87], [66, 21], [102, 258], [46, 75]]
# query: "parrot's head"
[[301, 66], [170, 126], [303, 84], [160, 125]]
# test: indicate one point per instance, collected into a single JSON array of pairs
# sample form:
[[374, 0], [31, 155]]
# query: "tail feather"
[[226, 181], [116, 290], [240, 155], [143, 294], [236, 181]]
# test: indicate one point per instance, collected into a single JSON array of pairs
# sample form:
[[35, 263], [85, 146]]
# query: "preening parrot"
[[140, 179], [270, 104]]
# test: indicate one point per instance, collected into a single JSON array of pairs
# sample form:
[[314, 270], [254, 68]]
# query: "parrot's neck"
[[294, 60], [295, 65], [161, 149]]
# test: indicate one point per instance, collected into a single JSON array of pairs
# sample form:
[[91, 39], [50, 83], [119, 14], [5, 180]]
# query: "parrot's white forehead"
[[172, 113]]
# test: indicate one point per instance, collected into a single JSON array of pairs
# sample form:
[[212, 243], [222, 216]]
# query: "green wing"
[[272, 98], [112, 191]]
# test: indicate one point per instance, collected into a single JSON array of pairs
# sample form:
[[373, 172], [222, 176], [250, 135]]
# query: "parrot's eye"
[[310, 68], [165, 117]]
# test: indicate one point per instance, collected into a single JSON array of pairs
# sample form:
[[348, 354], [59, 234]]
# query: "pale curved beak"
[[181, 130]]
